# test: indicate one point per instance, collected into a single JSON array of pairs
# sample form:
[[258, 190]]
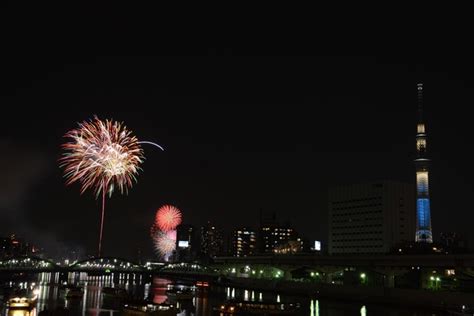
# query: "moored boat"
[[146, 308], [181, 292], [257, 308], [72, 292]]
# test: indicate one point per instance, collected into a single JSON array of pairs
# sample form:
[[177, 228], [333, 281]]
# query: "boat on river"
[[146, 308], [256, 308]]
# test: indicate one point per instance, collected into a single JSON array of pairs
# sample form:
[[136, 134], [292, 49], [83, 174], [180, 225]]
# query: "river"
[[50, 292]]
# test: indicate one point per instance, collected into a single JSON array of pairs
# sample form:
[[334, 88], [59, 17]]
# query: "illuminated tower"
[[423, 216]]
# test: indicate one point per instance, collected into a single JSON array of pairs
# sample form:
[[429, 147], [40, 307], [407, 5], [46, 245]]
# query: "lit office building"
[[371, 217], [212, 241], [275, 238], [244, 242]]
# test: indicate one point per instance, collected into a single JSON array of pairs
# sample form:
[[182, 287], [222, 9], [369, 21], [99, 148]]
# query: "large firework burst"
[[101, 155], [165, 243], [167, 218]]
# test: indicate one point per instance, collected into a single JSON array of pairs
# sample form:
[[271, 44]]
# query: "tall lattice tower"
[[423, 214]]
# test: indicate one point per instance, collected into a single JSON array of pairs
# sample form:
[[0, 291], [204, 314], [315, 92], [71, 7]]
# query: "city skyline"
[[234, 146]]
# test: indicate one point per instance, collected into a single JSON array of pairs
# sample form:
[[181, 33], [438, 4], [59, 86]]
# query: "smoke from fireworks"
[[167, 218]]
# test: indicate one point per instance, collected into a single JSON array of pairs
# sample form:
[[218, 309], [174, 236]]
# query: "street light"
[[363, 278], [435, 281]]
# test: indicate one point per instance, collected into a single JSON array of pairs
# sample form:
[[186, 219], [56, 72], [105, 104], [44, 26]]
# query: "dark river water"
[[50, 290]]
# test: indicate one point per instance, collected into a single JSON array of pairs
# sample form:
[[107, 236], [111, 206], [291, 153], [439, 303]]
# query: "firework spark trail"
[[151, 143]]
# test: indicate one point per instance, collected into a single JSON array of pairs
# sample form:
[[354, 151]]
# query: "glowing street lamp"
[[435, 281]]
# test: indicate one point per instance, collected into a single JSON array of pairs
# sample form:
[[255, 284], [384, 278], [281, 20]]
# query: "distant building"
[[185, 243], [212, 241], [289, 247], [16, 247], [244, 242], [275, 237], [453, 242], [370, 217]]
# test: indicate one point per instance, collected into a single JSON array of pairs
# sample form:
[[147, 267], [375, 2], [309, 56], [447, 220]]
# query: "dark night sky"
[[241, 134]]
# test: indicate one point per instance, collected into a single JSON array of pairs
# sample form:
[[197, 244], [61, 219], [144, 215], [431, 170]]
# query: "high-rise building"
[[185, 243], [423, 214], [212, 241], [370, 217], [244, 242], [274, 237]]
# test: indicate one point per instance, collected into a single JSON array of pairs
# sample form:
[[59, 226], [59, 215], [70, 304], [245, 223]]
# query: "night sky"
[[242, 133]]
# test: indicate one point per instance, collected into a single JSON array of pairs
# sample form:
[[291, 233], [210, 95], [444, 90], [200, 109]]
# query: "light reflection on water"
[[51, 296]]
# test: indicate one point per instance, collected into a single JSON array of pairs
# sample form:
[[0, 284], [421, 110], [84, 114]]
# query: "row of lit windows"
[[251, 238], [277, 229], [243, 242], [240, 247]]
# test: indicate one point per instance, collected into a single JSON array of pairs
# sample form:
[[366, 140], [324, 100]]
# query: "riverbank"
[[442, 300]]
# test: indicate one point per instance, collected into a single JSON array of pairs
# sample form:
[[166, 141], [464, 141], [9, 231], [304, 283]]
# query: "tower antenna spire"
[[424, 233], [419, 87]]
